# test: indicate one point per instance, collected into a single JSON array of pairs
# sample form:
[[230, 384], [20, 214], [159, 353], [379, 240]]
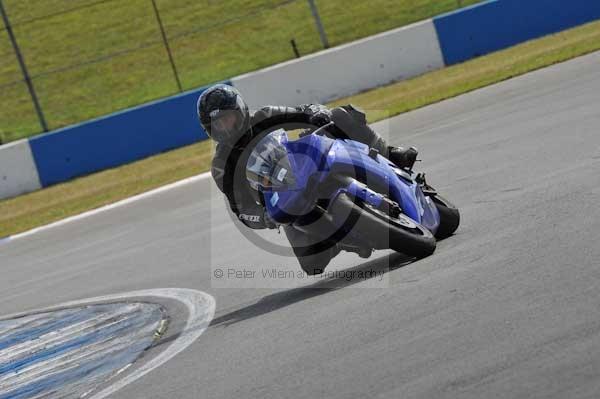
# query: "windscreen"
[[269, 168]]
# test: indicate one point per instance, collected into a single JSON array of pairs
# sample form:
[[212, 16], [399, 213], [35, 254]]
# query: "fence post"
[[13, 40], [166, 42], [320, 28], [295, 48]]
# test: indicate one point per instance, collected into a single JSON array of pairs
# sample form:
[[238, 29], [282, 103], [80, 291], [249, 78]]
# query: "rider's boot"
[[403, 157], [315, 263]]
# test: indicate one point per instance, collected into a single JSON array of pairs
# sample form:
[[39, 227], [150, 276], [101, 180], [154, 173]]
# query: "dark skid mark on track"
[[280, 300], [69, 353]]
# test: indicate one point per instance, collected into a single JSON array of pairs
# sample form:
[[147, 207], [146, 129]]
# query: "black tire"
[[449, 217], [381, 231]]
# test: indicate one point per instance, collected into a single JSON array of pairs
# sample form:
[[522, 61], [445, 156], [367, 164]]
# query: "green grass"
[[230, 37], [57, 202], [79, 195]]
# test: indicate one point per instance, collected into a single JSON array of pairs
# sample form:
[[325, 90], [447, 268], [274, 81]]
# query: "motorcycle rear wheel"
[[449, 217]]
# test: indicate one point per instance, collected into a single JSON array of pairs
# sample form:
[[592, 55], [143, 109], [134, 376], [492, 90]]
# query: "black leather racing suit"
[[229, 163]]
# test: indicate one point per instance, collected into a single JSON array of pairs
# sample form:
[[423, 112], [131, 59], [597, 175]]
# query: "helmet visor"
[[226, 125]]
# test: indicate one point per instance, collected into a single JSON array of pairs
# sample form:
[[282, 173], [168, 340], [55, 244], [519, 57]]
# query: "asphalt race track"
[[509, 307]]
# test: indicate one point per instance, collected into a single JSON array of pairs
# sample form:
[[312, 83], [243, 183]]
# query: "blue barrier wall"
[[171, 123], [499, 24], [117, 139]]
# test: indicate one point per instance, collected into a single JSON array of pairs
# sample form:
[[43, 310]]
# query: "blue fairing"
[[308, 156], [313, 158]]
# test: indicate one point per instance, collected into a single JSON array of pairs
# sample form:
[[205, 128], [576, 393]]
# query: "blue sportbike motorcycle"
[[345, 193]]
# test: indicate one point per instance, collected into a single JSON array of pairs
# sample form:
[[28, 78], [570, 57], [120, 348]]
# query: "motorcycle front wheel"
[[382, 231], [449, 217]]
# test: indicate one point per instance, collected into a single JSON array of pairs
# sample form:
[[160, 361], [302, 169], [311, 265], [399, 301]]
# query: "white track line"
[[201, 310], [105, 208]]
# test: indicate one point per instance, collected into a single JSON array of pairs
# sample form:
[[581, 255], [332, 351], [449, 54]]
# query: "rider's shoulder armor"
[[271, 113]]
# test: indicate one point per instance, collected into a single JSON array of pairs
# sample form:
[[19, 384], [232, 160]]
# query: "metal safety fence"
[[64, 61]]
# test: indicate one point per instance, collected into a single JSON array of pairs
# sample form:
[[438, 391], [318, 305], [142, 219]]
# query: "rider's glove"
[[321, 117]]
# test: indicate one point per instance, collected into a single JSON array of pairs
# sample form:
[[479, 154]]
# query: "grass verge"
[[88, 58], [89, 192]]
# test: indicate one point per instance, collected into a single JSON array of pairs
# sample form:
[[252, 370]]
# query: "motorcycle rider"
[[227, 120]]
